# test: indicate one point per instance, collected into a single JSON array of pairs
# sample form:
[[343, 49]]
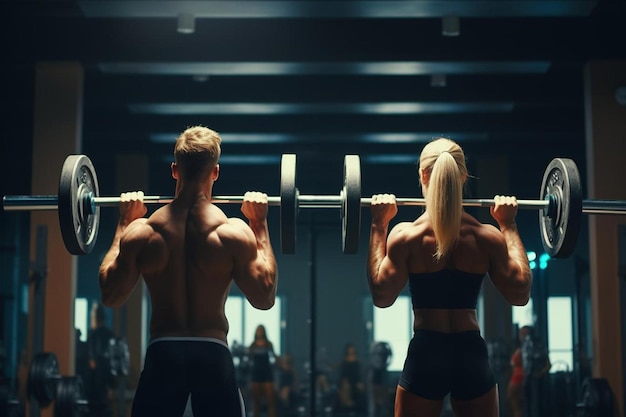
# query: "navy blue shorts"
[[441, 363], [177, 368]]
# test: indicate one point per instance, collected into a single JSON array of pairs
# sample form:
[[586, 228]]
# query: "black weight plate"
[[351, 204], [560, 223], [43, 377], [288, 203], [70, 398], [79, 218]]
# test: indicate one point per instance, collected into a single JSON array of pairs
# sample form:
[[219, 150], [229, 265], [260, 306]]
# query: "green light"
[[533, 264], [531, 256]]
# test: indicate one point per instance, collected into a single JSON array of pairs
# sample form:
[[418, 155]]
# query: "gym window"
[[81, 317], [394, 325], [523, 315], [243, 320], [560, 340]]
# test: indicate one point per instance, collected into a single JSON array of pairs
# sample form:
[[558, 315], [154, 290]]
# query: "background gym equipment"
[[380, 355], [70, 398], [43, 375], [46, 385], [78, 202], [119, 357], [596, 399]]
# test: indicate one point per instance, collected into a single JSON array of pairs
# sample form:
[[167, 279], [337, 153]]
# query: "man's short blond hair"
[[197, 151]]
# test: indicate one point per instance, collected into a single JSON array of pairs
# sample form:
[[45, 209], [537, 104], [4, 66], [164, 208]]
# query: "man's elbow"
[[109, 299], [264, 303], [110, 302], [266, 300]]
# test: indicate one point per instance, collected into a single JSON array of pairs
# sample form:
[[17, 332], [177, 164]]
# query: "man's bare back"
[[188, 253]]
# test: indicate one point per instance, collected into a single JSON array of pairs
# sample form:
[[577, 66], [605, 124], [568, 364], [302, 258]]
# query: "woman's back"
[[445, 291]]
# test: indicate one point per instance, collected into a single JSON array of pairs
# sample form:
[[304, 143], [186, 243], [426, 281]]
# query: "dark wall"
[[15, 178]]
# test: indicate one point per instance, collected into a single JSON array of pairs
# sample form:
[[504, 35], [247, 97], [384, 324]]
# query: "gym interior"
[[515, 83]]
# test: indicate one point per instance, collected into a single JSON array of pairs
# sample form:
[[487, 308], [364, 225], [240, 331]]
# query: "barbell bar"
[[78, 202], [48, 202]]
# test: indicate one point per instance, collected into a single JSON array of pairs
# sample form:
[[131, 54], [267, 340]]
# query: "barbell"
[[71, 399], [78, 203], [43, 377], [46, 385]]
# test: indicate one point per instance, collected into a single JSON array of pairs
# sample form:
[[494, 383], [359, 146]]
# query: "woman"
[[262, 355], [444, 255], [351, 386]]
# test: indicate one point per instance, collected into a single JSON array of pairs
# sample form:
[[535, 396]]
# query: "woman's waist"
[[446, 320]]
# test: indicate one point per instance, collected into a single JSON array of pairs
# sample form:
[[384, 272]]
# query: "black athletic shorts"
[[176, 368], [441, 363]]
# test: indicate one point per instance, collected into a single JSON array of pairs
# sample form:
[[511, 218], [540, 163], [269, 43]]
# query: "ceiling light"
[[200, 78], [438, 80], [186, 23], [451, 26], [395, 68]]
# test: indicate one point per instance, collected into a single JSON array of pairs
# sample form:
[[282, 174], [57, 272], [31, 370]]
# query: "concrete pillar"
[[606, 150], [57, 132]]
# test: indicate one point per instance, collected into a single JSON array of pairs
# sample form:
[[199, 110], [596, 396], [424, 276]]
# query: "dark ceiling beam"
[[103, 91], [96, 40], [141, 126], [262, 9]]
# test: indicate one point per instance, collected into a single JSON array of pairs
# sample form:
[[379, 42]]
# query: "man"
[[189, 254]]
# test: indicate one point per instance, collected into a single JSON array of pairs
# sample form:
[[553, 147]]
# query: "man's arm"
[[119, 271], [255, 271]]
